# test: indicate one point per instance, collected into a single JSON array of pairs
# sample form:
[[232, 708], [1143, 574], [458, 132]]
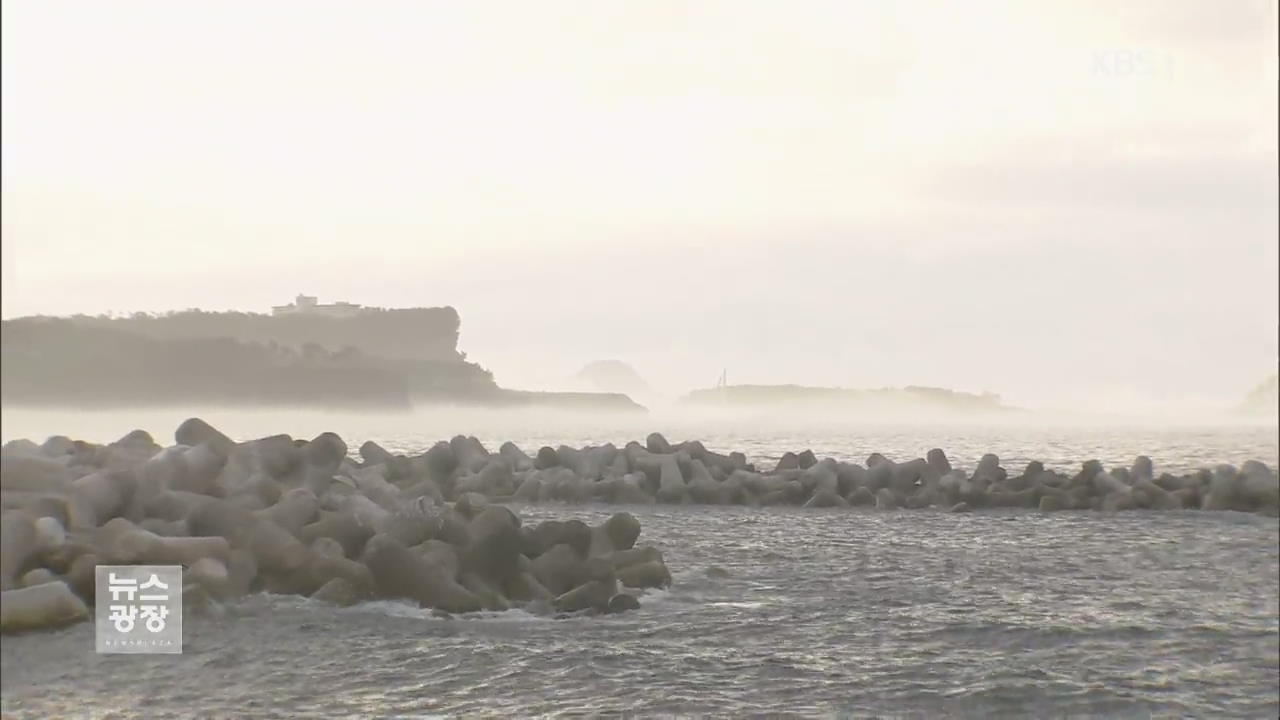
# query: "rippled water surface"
[[821, 612], [812, 612]]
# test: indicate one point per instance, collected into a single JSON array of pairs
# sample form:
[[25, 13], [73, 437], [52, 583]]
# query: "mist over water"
[[1175, 443]]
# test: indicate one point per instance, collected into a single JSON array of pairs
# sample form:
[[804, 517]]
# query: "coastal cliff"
[[396, 334], [64, 363], [374, 358]]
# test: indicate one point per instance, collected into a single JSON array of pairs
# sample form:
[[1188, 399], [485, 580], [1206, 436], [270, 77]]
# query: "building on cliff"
[[310, 305]]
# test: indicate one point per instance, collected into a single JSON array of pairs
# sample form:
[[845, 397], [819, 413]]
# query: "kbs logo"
[[1132, 63]]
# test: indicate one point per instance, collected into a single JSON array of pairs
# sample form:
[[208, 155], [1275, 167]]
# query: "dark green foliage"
[[87, 362]]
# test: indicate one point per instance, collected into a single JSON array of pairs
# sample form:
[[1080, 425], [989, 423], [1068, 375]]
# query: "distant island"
[[614, 376], [1263, 400], [912, 397], [305, 353]]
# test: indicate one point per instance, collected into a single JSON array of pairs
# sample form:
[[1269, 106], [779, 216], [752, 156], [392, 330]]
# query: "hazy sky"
[[1064, 202]]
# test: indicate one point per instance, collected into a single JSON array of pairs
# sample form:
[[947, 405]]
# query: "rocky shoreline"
[[306, 517], [289, 517], [661, 472]]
